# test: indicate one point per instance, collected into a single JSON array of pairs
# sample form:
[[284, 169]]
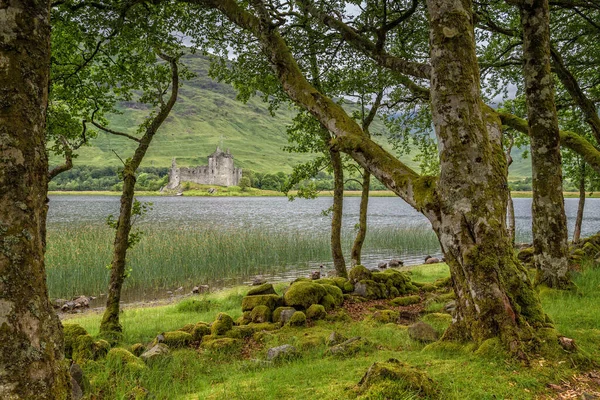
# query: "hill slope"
[[206, 114]]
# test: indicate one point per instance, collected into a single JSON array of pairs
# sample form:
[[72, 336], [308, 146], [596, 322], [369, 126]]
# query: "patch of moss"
[[491, 348], [265, 326], [137, 349], [224, 344], [200, 329], [265, 288], [222, 324], [359, 273], [270, 300], [121, 359], [384, 316], [71, 332], [177, 339], [406, 301], [304, 294], [387, 380], [187, 328], [316, 312], [298, 319], [328, 302], [344, 284], [336, 293], [260, 314], [240, 332]]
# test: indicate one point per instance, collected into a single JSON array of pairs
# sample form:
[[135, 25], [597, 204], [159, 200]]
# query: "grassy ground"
[[457, 372]]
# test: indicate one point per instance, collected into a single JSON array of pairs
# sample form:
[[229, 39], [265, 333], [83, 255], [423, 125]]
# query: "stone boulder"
[[316, 312], [348, 347], [359, 273], [335, 338], [385, 380], [406, 300], [298, 319], [283, 314], [222, 324], [260, 314], [395, 263], [284, 352], [422, 332], [270, 300], [265, 288], [158, 351], [304, 294]]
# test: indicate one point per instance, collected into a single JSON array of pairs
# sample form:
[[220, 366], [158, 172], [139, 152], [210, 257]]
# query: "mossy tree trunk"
[[337, 213], [32, 363], [361, 234], [511, 204], [110, 326], [550, 240], [466, 205], [581, 205]]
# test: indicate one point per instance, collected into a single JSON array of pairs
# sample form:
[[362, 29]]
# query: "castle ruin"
[[219, 171]]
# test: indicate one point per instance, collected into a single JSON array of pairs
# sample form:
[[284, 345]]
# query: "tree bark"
[[550, 241], [580, 206], [361, 234], [110, 326], [32, 364], [336, 219], [511, 204]]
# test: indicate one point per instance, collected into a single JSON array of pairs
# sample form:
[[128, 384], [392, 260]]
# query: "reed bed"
[[78, 256]]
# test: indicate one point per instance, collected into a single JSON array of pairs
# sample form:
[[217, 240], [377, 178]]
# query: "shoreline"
[[271, 193]]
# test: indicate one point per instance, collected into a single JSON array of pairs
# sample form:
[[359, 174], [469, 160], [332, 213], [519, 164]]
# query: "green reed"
[[78, 255]]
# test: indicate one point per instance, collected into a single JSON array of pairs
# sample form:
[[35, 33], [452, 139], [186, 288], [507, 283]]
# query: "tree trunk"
[[550, 240], [336, 219], [581, 206], [495, 298], [32, 364], [110, 327], [362, 219]]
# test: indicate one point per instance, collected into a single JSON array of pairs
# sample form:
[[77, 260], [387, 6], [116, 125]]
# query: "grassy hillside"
[[206, 113]]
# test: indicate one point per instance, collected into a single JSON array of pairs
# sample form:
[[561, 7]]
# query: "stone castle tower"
[[220, 171]]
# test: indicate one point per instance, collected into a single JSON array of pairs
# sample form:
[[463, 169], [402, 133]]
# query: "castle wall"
[[220, 171]]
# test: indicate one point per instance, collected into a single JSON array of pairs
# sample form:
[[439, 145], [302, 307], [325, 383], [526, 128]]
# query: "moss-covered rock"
[[240, 332], [222, 324], [83, 349], [244, 319], [336, 293], [316, 312], [187, 328], [177, 339], [349, 347], [340, 315], [260, 314], [393, 292], [344, 284], [121, 359], [406, 301], [200, 329], [422, 332], [325, 281], [304, 294], [443, 283], [359, 273], [371, 290], [384, 316], [298, 319], [270, 300], [71, 332], [277, 313], [328, 302], [137, 349], [223, 344], [265, 288], [265, 326], [387, 380]]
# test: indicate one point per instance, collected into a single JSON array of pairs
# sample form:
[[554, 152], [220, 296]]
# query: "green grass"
[[456, 371], [168, 257]]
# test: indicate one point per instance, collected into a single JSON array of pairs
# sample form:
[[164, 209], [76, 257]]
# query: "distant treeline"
[[84, 178]]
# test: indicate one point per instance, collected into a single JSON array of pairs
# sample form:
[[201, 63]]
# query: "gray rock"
[[58, 303], [432, 260], [77, 374], [395, 263], [200, 289], [422, 332], [315, 275], [258, 280], [382, 265], [335, 339], [285, 316], [360, 289], [76, 391], [285, 351], [158, 351]]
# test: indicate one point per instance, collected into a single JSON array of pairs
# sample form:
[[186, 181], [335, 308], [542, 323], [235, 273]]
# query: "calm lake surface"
[[272, 215], [278, 214]]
